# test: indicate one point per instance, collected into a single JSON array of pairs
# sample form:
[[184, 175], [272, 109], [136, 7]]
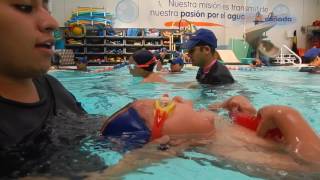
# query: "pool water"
[[105, 93]]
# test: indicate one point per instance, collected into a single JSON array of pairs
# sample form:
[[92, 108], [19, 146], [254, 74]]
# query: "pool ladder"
[[288, 58]]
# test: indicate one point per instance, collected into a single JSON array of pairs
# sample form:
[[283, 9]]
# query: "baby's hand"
[[215, 106], [266, 123], [239, 104], [162, 140], [268, 128]]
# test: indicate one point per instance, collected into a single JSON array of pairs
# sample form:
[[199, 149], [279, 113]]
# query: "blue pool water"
[[105, 93]]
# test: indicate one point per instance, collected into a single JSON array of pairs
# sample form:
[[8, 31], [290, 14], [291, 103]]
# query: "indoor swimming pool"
[[105, 93]]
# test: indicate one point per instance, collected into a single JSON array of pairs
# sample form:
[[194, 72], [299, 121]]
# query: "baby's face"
[[186, 120], [183, 120]]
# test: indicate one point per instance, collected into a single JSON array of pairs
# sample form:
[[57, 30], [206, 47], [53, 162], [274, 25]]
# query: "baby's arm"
[[235, 103], [298, 136]]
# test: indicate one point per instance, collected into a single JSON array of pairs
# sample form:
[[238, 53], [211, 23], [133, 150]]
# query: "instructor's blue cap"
[[202, 36]]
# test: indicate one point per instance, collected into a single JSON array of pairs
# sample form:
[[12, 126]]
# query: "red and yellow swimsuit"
[[160, 116]]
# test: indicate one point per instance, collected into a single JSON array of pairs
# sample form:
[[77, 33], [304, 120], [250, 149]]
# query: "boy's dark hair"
[[178, 60], [142, 57]]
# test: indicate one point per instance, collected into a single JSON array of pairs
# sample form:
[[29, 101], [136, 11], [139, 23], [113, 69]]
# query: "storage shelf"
[[95, 45], [114, 37], [74, 37], [95, 53], [133, 45], [77, 53], [113, 54], [134, 37], [74, 45], [101, 46], [154, 38], [153, 45], [94, 36], [313, 28], [114, 45]]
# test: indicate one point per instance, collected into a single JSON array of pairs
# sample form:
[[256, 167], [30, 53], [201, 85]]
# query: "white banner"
[[227, 18], [207, 13]]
